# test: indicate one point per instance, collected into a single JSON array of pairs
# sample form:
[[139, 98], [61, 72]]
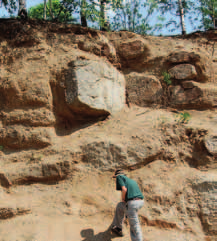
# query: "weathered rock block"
[[31, 117], [143, 89], [25, 89], [133, 49], [105, 155], [183, 72], [19, 137], [180, 96], [37, 173], [183, 57], [201, 63], [99, 45], [192, 94], [94, 88]]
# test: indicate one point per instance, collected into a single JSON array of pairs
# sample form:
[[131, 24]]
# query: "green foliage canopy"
[[208, 9], [60, 13]]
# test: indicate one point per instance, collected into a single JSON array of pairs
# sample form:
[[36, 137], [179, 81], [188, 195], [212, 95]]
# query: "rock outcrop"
[[188, 73], [68, 118]]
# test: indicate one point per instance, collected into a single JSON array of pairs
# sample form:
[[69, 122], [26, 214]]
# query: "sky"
[[30, 3]]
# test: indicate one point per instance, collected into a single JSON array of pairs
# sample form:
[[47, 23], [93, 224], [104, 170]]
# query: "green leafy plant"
[[167, 79], [59, 12], [1, 148], [184, 117], [208, 10]]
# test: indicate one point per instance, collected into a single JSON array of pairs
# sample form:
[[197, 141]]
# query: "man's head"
[[118, 172]]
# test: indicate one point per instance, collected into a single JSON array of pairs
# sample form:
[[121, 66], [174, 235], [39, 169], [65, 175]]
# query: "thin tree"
[[178, 9], [83, 13], [182, 18], [45, 9], [50, 9], [103, 21], [22, 11]]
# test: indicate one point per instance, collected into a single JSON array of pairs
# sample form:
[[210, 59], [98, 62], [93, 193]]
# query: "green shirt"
[[133, 190]]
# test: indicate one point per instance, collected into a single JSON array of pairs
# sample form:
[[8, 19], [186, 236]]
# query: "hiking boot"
[[117, 231]]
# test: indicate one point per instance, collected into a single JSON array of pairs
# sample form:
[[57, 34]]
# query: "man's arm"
[[123, 193]]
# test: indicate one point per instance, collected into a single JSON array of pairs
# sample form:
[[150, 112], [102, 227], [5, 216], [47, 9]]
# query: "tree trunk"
[[125, 20], [213, 13], [102, 15], [50, 9], [182, 19], [83, 14], [22, 12], [45, 9], [104, 26]]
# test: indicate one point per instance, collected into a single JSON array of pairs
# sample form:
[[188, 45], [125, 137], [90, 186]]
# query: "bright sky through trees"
[[29, 4], [164, 31]]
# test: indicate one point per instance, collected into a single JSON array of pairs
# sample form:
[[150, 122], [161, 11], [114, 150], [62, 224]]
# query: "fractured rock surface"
[[94, 88], [183, 72], [143, 89]]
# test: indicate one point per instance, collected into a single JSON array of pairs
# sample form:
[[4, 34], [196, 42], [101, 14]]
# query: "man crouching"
[[132, 201]]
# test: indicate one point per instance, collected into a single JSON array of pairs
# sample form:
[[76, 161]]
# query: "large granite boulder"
[[143, 89], [94, 88]]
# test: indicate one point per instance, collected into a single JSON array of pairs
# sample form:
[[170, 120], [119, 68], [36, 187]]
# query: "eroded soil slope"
[[77, 103]]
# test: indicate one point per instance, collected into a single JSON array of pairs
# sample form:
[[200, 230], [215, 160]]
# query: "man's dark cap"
[[118, 172]]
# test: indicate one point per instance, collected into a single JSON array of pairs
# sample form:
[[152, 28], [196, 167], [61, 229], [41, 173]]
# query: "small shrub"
[[167, 79], [184, 117], [1, 148]]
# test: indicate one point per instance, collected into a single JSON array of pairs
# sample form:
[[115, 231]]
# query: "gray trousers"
[[131, 210]]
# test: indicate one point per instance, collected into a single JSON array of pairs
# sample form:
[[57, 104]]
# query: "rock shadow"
[[88, 235]]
